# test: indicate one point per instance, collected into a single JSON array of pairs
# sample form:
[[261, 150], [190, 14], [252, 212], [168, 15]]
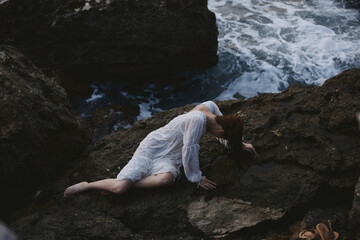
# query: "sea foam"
[[278, 43]]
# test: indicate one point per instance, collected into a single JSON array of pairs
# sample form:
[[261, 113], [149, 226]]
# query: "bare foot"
[[76, 188]]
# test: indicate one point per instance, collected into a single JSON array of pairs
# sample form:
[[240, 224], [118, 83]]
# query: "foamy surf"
[[101, 97], [278, 43]]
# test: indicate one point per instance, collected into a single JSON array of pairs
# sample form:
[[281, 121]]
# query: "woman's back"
[[167, 141]]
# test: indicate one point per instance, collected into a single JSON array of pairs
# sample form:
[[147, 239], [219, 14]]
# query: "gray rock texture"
[[308, 140], [221, 215], [40, 135], [127, 39]]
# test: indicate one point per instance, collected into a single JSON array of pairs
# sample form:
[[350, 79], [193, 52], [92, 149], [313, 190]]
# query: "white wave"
[[120, 125], [3, 1], [144, 111], [86, 7], [287, 41], [148, 108], [95, 95]]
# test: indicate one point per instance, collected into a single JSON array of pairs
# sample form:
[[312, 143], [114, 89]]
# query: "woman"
[[159, 157]]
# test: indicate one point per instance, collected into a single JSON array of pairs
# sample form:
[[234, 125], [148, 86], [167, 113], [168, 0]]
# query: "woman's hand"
[[250, 148], [207, 184]]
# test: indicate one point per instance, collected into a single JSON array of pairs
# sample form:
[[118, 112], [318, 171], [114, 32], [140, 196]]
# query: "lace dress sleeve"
[[194, 128]]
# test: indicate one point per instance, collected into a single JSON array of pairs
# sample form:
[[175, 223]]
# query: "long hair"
[[233, 130]]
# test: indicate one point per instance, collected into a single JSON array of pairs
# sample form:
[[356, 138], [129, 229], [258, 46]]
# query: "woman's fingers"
[[210, 182], [207, 187], [203, 186], [207, 184], [254, 151], [250, 148]]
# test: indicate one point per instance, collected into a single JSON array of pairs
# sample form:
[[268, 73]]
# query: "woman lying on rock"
[[159, 157]]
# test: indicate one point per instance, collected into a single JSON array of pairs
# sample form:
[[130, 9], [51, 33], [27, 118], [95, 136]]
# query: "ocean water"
[[277, 43], [264, 46]]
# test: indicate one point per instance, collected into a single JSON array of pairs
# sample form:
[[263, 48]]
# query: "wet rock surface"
[[308, 141], [125, 39], [40, 134], [108, 119]]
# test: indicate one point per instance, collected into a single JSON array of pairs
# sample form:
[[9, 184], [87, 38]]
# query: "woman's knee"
[[166, 179], [120, 187]]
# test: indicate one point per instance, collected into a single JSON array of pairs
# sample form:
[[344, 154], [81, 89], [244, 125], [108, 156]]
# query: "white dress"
[[170, 147]]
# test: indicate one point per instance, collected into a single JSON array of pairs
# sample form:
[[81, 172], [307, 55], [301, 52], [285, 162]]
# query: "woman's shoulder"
[[207, 107], [197, 114], [188, 117], [201, 108], [209, 104]]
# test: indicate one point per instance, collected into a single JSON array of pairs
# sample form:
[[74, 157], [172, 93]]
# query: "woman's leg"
[[121, 186], [111, 185], [157, 180]]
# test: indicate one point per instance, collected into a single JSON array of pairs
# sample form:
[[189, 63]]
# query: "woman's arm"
[[194, 128]]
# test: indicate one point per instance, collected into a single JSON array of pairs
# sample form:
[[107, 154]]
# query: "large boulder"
[[130, 39], [308, 142], [40, 134]]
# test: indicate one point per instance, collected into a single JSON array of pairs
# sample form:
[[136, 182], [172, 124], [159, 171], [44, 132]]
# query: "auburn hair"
[[233, 129]]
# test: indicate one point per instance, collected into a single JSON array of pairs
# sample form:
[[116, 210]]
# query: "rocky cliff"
[[40, 135], [308, 140], [127, 39]]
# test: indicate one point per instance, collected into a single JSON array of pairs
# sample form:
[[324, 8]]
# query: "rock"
[[355, 211], [92, 227], [126, 39], [221, 216], [40, 135], [111, 118], [308, 141]]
